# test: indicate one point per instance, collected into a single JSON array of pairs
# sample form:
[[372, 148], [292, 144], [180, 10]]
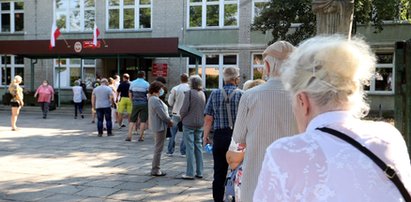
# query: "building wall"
[[169, 19]]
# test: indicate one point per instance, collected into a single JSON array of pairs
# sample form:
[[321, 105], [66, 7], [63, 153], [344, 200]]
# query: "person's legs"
[[143, 115], [222, 138], [159, 138], [188, 136], [107, 115], [132, 122], [198, 153], [15, 111], [120, 111], [80, 109], [172, 139], [76, 106], [46, 106], [100, 117]]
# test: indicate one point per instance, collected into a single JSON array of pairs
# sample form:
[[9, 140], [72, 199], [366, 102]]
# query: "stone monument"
[[334, 16]]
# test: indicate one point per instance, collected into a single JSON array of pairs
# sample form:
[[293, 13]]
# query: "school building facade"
[[218, 29]]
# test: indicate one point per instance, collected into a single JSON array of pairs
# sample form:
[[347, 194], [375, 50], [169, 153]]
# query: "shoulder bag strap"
[[388, 171]]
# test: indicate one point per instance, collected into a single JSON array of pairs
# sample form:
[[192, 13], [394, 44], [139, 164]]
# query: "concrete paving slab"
[[62, 159]]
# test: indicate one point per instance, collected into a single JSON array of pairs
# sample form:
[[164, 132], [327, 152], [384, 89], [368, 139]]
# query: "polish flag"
[[55, 33], [96, 33]]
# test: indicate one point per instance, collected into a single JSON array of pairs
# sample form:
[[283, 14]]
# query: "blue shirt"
[[139, 89], [217, 109]]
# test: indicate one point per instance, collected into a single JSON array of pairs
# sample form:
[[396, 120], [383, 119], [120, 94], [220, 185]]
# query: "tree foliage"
[[279, 16]]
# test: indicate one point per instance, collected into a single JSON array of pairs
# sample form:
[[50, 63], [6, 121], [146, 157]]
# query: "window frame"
[[12, 13], [69, 65], [372, 90], [137, 6], [253, 8], [221, 12], [67, 11], [12, 67], [202, 66]]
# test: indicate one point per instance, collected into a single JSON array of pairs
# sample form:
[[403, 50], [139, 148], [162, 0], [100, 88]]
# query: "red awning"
[[82, 48]]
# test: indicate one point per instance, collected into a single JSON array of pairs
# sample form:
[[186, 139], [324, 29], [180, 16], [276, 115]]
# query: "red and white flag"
[[96, 33], [55, 33]]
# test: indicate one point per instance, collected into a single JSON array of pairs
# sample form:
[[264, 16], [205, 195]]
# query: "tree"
[[278, 16]]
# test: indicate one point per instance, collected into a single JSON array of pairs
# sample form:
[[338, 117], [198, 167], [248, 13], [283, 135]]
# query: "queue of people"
[[298, 136]]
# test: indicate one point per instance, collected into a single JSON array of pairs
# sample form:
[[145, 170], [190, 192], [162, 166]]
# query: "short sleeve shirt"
[[103, 94], [139, 89], [123, 88], [217, 109]]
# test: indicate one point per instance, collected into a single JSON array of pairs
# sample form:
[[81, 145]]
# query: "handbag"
[[388, 171], [232, 181]]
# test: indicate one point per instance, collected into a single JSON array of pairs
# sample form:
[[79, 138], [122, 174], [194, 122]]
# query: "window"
[[212, 13], [213, 65], [70, 70], [75, 15], [257, 71], [258, 6], [12, 16], [11, 66], [128, 14], [383, 79]]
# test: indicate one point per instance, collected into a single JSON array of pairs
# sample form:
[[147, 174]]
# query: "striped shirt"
[[264, 115], [139, 89], [218, 110]]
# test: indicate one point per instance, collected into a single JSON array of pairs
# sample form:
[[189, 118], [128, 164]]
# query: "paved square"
[[62, 159]]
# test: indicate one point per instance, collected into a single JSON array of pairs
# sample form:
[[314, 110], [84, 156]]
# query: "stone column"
[[334, 16]]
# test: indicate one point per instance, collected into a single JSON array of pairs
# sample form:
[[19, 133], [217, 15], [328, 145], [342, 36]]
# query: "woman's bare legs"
[[15, 111]]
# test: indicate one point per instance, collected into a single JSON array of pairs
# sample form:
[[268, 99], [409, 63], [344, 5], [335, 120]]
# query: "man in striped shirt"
[[220, 102], [264, 115]]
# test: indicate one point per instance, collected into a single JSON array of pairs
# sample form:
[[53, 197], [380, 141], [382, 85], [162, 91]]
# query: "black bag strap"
[[388, 171]]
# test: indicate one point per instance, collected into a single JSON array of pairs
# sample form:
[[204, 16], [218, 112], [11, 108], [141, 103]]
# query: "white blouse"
[[316, 166]]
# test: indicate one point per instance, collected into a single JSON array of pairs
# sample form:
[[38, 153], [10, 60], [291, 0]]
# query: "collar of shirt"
[[329, 118], [229, 86]]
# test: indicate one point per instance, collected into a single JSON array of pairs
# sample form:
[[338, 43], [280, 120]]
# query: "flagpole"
[[68, 46]]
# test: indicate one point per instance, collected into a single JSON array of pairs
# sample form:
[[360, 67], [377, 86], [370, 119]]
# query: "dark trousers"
[[44, 108], [79, 107], [101, 114], [221, 142]]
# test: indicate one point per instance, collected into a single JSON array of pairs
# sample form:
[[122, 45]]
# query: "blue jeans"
[[193, 138], [172, 141], [79, 107], [101, 114]]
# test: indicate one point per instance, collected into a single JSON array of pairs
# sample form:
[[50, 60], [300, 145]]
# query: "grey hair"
[[231, 73], [332, 71], [195, 82]]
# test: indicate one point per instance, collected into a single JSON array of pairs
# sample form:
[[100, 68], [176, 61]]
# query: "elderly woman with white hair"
[[325, 77], [192, 117]]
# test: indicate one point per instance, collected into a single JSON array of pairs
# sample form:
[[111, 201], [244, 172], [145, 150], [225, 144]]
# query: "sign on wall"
[[160, 69]]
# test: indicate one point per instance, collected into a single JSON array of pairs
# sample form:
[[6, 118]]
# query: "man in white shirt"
[[175, 99]]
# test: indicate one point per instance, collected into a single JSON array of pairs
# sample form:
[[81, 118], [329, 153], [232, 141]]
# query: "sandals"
[[141, 139]]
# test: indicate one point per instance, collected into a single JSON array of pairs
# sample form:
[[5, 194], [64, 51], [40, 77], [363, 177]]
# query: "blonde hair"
[[252, 83], [332, 71], [17, 79]]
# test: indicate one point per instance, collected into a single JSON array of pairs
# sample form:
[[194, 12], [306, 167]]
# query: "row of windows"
[[69, 70], [80, 15], [212, 65]]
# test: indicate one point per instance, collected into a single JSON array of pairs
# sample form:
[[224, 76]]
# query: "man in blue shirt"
[[221, 109], [138, 96]]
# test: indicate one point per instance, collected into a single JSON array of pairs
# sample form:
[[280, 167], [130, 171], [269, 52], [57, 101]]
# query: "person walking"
[[220, 113], [159, 121], [94, 85], [101, 101], [327, 161], [78, 97], [264, 115], [192, 116], [124, 102], [112, 85], [45, 94], [138, 95], [175, 99], [16, 101]]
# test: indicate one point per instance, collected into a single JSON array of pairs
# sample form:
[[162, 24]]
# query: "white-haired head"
[[332, 71], [274, 56], [195, 82], [231, 74]]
